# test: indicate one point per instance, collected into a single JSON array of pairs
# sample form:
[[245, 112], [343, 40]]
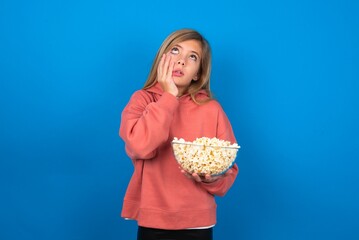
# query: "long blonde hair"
[[205, 67]]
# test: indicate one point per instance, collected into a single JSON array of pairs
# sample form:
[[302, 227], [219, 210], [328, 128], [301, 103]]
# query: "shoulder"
[[211, 108], [138, 100], [141, 96], [213, 104], [140, 93]]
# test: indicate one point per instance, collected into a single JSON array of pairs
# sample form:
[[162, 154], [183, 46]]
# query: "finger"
[[229, 172], [166, 65], [186, 174], [160, 66], [196, 177], [209, 178], [171, 66]]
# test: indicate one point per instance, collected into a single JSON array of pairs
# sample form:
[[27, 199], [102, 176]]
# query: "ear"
[[195, 78]]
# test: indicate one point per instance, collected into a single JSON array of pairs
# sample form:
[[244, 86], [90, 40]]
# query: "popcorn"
[[205, 155]]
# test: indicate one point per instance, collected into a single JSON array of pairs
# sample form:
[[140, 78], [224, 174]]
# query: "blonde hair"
[[205, 66]]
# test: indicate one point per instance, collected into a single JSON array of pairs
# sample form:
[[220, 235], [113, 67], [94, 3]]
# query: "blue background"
[[286, 73]]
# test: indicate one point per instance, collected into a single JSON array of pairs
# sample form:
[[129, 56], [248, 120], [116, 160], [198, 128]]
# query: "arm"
[[145, 124], [219, 185]]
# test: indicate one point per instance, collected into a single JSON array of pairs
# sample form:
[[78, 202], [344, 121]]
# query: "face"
[[187, 58]]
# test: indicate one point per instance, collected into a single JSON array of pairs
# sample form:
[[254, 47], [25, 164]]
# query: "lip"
[[177, 73]]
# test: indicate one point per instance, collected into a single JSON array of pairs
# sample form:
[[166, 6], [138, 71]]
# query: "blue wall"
[[286, 72]]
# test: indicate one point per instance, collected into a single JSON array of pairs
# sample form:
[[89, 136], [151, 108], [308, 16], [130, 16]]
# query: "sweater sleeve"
[[222, 185], [224, 132], [145, 123]]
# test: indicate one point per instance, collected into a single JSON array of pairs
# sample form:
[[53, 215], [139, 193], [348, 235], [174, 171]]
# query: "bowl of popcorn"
[[205, 155]]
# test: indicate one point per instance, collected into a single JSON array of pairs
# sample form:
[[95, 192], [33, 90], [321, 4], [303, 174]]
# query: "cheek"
[[196, 68], [174, 60]]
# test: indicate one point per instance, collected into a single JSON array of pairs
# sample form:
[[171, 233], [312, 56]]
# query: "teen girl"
[[176, 101]]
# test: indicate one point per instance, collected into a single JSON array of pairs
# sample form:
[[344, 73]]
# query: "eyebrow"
[[177, 45]]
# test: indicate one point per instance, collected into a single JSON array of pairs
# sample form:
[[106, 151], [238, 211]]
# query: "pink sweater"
[[159, 195]]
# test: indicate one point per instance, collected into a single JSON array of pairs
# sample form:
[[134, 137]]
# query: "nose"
[[181, 62]]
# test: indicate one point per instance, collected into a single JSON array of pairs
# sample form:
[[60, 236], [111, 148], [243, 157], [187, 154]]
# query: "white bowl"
[[204, 159]]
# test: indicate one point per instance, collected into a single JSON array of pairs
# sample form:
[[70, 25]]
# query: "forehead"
[[191, 45]]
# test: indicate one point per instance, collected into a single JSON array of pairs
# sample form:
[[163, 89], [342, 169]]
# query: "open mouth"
[[177, 73]]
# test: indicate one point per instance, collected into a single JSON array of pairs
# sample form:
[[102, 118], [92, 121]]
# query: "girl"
[[176, 101]]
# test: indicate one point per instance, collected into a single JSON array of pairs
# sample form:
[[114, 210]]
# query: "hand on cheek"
[[164, 75]]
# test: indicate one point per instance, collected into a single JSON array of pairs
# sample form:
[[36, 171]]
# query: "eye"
[[175, 50], [193, 57]]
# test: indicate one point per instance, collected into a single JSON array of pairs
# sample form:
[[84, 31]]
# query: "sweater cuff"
[[168, 101]]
